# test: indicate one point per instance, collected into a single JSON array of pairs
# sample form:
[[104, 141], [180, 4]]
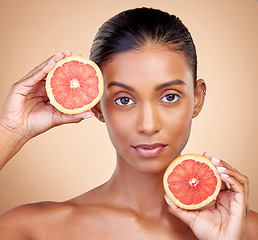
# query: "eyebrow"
[[159, 87], [121, 85], [170, 83]]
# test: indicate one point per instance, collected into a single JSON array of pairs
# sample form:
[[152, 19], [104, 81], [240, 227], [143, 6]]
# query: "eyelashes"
[[170, 98], [128, 101], [124, 101]]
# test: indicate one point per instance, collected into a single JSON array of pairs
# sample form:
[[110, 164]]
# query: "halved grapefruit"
[[191, 181], [74, 85]]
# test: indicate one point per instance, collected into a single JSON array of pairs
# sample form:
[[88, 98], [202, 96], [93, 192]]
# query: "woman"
[[151, 95]]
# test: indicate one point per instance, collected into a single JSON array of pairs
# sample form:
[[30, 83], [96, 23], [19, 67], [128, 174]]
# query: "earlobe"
[[97, 112], [199, 97]]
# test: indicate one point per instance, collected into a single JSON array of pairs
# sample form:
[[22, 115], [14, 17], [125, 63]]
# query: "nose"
[[148, 120]]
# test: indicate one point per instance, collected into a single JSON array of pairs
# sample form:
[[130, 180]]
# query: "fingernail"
[[208, 154], [215, 160], [68, 51], [88, 116], [221, 169], [51, 61], [59, 53], [167, 199], [224, 175], [227, 185]]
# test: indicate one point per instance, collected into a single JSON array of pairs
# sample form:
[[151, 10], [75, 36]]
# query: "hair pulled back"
[[132, 29]]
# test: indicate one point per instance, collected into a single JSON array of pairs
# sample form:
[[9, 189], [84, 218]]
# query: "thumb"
[[72, 118], [185, 215]]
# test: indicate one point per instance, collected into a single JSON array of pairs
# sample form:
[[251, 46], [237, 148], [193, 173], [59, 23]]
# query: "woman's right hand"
[[27, 111]]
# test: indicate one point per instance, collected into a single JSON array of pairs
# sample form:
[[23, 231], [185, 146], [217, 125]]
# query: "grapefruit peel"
[[179, 186], [74, 83]]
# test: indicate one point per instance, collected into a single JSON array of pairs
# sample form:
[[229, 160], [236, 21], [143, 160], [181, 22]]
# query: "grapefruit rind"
[[85, 107], [198, 158]]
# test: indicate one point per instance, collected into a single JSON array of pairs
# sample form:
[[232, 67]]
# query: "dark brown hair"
[[131, 29]]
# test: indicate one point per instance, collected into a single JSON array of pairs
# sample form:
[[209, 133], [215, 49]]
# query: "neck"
[[139, 191]]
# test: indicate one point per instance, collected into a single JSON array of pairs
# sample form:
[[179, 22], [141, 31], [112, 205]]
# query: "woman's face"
[[148, 106]]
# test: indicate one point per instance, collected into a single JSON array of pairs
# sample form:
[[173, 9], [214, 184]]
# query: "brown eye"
[[170, 98], [124, 101]]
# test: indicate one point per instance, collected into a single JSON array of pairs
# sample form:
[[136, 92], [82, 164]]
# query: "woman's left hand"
[[227, 218]]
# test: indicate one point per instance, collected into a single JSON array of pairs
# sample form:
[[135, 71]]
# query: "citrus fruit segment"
[[74, 85], [191, 181]]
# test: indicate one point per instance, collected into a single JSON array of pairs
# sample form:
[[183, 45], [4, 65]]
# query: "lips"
[[149, 150]]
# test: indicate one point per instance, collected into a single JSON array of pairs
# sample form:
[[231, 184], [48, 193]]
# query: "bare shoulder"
[[252, 225], [51, 220], [29, 221]]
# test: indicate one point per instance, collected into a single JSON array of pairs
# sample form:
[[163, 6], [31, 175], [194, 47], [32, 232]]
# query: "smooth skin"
[[148, 105]]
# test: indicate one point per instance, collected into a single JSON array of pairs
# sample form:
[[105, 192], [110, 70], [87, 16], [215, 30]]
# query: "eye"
[[124, 101], [171, 98]]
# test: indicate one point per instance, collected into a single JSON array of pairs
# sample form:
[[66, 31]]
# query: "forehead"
[[149, 65]]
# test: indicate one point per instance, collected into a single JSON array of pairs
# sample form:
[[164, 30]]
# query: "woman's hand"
[[227, 218], [27, 111]]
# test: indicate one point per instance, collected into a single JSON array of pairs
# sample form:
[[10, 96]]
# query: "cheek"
[[119, 126], [183, 131], [179, 126], [116, 127], [120, 133]]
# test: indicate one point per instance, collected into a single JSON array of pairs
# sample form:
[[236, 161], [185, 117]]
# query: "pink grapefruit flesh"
[[74, 85], [191, 181]]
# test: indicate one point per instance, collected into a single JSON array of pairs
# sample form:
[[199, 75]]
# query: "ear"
[[199, 97], [97, 112]]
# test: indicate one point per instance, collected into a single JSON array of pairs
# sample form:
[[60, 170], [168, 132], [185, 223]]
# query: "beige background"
[[71, 159]]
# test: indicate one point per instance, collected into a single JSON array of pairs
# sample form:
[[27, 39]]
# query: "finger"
[[237, 188], [62, 118], [239, 178], [207, 155], [224, 167], [242, 179], [39, 75], [40, 66], [24, 87], [83, 116], [188, 217], [57, 57], [220, 162], [227, 170], [215, 161], [54, 59], [224, 186], [68, 53], [42, 70]]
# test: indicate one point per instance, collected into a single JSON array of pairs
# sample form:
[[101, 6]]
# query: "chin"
[[152, 166]]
